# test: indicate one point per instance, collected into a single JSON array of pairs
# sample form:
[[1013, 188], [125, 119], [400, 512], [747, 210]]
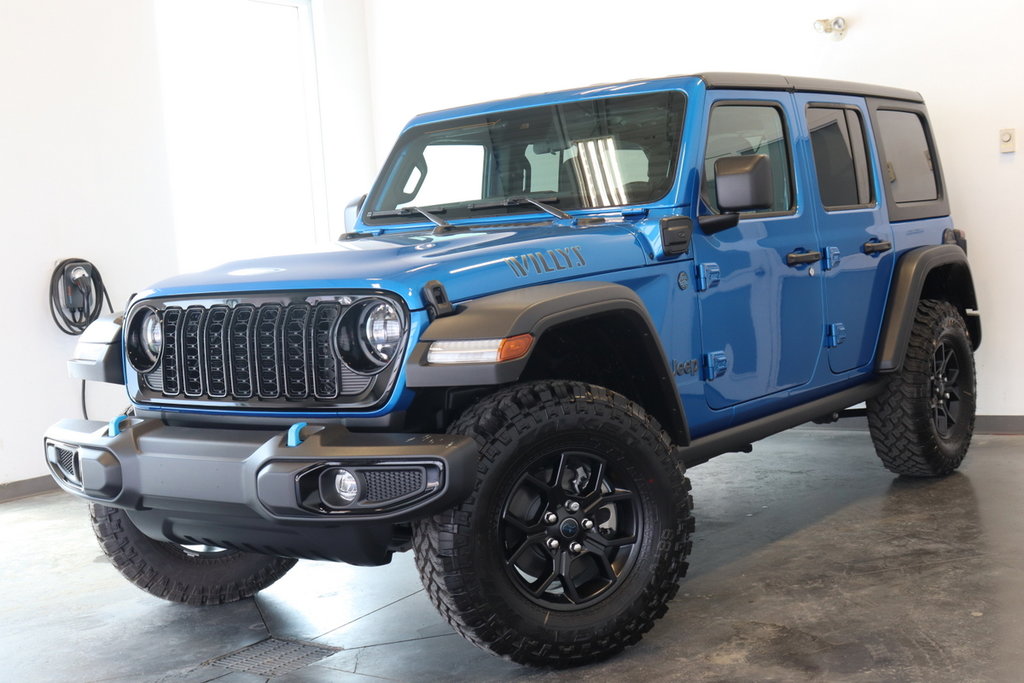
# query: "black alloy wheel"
[[945, 390], [569, 530]]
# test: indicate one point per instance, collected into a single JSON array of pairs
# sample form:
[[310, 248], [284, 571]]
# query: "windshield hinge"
[[435, 296]]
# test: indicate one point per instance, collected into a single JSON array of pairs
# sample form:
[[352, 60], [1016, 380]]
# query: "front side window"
[[589, 154], [840, 160], [744, 130]]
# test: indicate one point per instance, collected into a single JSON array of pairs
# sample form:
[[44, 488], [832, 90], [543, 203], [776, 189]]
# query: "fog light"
[[340, 488], [347, 486]]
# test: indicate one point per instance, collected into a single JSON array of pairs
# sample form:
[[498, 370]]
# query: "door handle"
[[797, 258], [877, 247]]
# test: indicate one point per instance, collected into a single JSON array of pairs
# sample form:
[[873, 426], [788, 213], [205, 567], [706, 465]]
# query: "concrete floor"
[[810, 562]]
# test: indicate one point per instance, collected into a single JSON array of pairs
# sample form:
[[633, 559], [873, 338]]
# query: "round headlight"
[[152, 336], [383, 329], [369, 335], [145, 339]]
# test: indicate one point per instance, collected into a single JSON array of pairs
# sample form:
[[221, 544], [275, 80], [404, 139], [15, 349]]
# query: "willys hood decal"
[[470, 264]]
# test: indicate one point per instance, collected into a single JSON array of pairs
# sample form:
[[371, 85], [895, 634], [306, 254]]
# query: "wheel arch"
[[585, 315], [933, 272]]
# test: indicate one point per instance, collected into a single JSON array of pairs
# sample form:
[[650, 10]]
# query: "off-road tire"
[[908, 418], [461, 555], [175, 573]]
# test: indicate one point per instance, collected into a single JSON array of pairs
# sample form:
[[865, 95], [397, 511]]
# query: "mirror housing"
[[743, 183], [352, 210]]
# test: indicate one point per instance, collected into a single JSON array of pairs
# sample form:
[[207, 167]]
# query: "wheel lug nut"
[[572, 506], [550, 518], [946, 396], [553, 543], [587, 524], [576, 547]]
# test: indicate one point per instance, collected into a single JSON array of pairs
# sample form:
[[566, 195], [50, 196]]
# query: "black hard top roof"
[[718, 80]]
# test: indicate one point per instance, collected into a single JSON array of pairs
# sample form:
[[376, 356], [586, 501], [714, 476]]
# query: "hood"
[[469, 264]]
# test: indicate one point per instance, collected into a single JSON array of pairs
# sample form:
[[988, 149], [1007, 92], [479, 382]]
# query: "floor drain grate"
[[273, 657]]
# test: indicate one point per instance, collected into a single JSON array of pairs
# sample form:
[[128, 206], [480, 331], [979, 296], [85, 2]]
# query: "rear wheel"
[[922, 422], [194, 575], [576, 534]]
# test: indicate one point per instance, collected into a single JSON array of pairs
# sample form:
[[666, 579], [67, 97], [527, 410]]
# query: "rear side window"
[[840, 157], [909, 170], [744, 130]]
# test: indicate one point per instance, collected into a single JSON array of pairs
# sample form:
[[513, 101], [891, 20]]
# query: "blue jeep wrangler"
[[544, 311]]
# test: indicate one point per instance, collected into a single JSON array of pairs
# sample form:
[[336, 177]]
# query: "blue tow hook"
[[295, 434], [114, 428]]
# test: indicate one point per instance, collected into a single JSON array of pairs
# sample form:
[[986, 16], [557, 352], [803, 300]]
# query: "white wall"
[[82, 173], [346, 103], [83, 165], [963, 57]]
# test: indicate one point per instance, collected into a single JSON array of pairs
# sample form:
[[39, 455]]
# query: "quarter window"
[[840, 158], [909, 168], [745, 130]]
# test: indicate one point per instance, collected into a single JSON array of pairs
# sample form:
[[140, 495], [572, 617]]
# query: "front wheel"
[[922, 422], [576, 534], [194, 575]]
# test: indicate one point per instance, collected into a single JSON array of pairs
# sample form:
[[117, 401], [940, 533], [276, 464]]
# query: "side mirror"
[[743, 183], [352, 210]]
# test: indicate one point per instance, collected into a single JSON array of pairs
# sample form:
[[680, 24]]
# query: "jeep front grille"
[[257, 353]]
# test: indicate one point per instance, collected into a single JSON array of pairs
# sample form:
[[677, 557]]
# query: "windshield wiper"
[[410, 210], [544, 205]]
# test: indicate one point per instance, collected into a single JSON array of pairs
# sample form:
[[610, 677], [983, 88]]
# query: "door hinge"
[[715, 365], [831, 257], [708, 276], [835, 334]]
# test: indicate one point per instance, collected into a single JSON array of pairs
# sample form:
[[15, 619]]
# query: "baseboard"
[[983, 424], [26, 487], [999, 424]]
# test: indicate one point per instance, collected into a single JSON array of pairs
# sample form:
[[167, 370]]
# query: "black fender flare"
[[952, 279], [535, 310]]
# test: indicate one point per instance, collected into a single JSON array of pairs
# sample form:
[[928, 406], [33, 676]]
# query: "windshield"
[[589, 154]]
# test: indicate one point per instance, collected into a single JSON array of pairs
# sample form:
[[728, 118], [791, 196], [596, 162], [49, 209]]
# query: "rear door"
[[761, 318], [856, 238]]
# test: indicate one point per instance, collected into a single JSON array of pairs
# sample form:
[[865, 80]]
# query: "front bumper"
[[252, 491]]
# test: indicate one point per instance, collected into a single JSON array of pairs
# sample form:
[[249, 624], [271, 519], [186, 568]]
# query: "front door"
[[762, 322]]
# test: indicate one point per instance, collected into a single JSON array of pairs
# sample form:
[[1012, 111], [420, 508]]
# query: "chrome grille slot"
[[293, 348], [191, 351], [268, 321], [270, 351], [239, 334], [171, 386], [215, 337], [325, 364]]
